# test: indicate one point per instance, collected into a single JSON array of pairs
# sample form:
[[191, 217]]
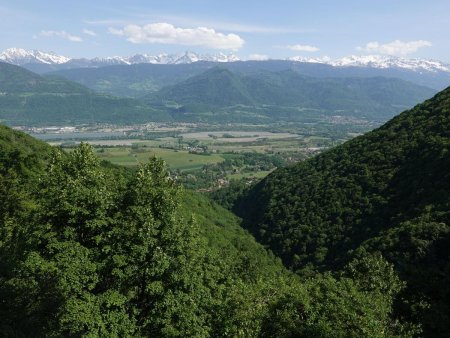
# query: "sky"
[[249, 29]]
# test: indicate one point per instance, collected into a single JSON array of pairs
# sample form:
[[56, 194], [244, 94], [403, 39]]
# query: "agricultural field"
[[192, 151], [175, 159], [207, 157], [209, 161]]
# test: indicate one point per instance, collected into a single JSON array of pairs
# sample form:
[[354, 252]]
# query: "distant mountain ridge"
[[20, 57], [215, 95], [30, 99], [380, 61], [285, 94]]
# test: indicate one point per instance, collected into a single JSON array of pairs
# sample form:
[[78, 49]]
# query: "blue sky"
[[249, 29]]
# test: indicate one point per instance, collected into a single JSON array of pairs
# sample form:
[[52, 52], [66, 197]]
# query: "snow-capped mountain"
[[380, 61], [187, 57], [108, 61], [19, 56], [26, 58], [322, 60]]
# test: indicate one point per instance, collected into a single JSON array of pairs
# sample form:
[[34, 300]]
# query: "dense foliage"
[[27, 98], [387, 191], [90, 250]]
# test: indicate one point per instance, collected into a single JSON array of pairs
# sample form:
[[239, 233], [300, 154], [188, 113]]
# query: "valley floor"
[[207, 157]]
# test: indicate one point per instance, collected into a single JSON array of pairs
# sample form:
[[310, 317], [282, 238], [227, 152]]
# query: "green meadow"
[[176, 159]]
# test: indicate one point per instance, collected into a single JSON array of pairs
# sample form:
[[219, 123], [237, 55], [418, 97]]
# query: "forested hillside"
[[30, 99], [384, 192], [217, 96], [282, 95], [132, 80], [88, 249], [138, 79]]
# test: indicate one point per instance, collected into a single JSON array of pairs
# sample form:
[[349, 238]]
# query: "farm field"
[[236, 136], [193, 154], [208, 160], [175, 159], [206, 157]]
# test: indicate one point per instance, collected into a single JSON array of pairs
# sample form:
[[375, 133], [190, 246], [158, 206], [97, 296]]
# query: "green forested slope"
[[133, 80], [27, 98], [15, 141], [139, 79], [219, 90], [387, 191], [88, 250], [217, 95], [216, 87]]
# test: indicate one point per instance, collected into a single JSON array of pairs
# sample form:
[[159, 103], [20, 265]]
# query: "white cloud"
[[222, 25], [396, 47], [89, 32], [61, 34], [166, 33], [258, 57], [302, 48], [142, 18]]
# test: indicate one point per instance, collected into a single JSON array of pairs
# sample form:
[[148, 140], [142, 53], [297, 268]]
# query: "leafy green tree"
[[99, 254], [156, 257]]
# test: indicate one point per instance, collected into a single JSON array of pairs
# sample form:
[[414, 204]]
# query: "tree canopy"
[[86, 250], [387, 191]]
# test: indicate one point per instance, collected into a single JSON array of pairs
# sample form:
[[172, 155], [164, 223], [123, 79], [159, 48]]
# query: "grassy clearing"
[[258, 174]]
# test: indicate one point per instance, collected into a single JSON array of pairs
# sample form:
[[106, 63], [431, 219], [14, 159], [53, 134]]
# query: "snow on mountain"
[[21, 56], [188, 57], [381, 61], [323, 60], [144, 58], [110, 61]]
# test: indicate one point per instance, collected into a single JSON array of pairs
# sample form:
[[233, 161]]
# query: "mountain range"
[[215, 95], [286, 96], [137, 80], [27, 98], [136, 75], [21, 57], [379, 61]]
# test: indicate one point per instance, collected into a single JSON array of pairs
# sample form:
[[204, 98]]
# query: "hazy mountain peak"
[[324, 60], [383, 61], [379, 61], [19, 56]]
